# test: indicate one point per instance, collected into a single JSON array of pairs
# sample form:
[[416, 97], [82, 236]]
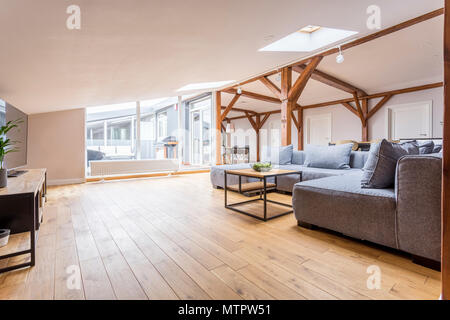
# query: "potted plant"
[[6, 146]]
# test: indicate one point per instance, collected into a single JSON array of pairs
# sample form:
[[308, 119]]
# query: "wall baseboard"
[[145, 175], [62, 182]]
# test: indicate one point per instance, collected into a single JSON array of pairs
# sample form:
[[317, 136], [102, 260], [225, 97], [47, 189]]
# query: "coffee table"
[[262, 186]]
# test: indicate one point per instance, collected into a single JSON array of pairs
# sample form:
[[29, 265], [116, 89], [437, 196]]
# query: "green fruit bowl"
[[262, 167]]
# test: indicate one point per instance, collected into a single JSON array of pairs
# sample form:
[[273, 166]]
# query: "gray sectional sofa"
[[405, 217], [286, 183]]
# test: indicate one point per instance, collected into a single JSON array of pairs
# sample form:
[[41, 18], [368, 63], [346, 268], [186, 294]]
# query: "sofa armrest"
[[418, 196]]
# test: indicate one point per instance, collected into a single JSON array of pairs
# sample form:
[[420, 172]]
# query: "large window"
[[111, 132], [149, 130]]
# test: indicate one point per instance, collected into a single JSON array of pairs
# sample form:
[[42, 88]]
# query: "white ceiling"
[[143, 49], [409, 57]]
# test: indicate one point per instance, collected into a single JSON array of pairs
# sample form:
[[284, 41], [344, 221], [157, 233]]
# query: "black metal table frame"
[[262, 194]]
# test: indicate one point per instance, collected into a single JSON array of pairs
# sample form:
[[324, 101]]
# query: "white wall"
[[377, 124], [56, 141], [345, 125]]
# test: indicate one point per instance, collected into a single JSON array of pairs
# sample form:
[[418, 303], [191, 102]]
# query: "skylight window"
[[308, 39], [309, 29], [205, 85]]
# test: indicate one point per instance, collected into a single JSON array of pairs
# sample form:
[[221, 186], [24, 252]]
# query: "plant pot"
[[3, 178], [4, 237]]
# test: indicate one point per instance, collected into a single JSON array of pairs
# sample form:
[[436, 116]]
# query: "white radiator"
[[111, 167]]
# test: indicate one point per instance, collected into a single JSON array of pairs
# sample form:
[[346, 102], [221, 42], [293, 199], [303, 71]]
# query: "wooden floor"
[[171, 238]]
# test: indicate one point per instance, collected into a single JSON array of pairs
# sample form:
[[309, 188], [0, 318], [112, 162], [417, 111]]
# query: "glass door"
[[206, 136], [201, 140], [196, 140]]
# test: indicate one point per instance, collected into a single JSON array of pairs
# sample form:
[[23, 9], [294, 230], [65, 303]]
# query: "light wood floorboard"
[[172, 238]]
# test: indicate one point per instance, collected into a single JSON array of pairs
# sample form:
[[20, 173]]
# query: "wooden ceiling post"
[[365, 126], [218, 101], [287, 105], [445, 257], [300, 129], [258, 125], [358, 108]]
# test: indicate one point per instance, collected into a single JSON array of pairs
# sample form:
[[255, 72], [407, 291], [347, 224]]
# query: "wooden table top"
[[29, 182], [252, 173]]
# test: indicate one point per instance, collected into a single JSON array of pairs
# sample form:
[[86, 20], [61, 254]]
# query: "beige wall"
[[56, 141]]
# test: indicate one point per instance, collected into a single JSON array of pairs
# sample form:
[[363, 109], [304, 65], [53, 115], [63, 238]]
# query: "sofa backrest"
[[298, 157], [357, 158]]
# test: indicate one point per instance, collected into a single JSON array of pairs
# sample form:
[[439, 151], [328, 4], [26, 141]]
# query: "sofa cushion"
[[437, 148], [286, 183], [217, 174], [426, 147], [379, 170], [339, 203], [328, 157], [282, 155], [298, 157]]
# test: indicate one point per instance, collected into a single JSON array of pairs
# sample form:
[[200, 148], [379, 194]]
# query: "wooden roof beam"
[[240, 110], [302, 80], [263, 121], [254, 95], [236, 118], [330, 80], [271, 86], [378, 106], [252, 122], [354, 43], [376, 95], [350, 108], [230, 106]]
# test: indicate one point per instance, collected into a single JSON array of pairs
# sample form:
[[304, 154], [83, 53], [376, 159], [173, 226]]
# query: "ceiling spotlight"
[[340, 56], [239, 90]]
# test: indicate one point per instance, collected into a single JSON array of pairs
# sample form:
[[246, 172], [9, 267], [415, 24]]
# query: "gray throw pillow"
[[426, 147], [283, 155], [379, 170], [437, 148], [328, 157]]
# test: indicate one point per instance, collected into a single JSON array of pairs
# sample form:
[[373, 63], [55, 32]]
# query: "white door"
[[410, 121], [318, 129]]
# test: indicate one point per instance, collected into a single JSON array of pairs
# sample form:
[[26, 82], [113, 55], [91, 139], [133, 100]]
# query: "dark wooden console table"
[[21, 205]]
